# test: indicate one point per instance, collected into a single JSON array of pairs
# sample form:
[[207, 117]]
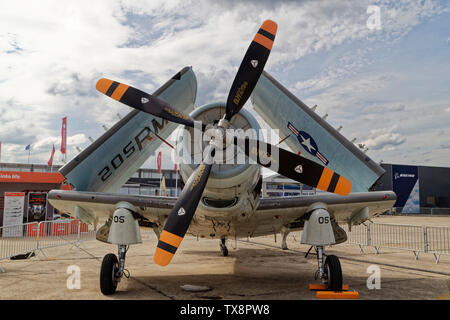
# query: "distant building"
[[419, 189], [278, 186], [146, 182], [30, 179]]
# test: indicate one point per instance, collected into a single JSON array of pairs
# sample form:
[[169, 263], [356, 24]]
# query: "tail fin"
[[114, 157], [312, 136]]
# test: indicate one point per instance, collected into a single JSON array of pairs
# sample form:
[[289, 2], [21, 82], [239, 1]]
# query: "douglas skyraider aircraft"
[[221, 200]]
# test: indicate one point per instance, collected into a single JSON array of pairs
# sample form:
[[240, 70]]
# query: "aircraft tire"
[[334, 271], [109, 266]]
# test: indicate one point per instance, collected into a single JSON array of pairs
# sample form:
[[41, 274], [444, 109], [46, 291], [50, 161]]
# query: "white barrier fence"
[[32, 237], [423, 210], [435, 240], [17, 239]]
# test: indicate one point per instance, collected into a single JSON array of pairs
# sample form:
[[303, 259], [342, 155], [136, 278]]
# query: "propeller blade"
[[182, 213], [294, 166], [143, 101], [251, 68]]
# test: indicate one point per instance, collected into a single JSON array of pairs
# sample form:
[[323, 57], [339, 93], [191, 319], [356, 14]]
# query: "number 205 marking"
[[324, 220]]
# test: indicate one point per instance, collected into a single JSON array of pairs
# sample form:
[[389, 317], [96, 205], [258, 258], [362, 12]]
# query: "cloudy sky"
[[388, 85]]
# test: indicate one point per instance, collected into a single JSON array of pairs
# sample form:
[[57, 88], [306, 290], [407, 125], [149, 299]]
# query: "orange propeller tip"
[[103, 84], [270, 26], [343, 187], [162, 257]]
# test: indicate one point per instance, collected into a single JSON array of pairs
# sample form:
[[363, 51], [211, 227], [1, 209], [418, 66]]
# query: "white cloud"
[[383, 139], [53, 52], [384, 108], [348, 96]]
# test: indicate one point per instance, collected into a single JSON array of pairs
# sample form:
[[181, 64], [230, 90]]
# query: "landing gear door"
[[124, 228], [318, 230]]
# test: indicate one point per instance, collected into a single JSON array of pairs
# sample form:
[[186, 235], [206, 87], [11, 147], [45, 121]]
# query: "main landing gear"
[[112, 270], [319, 232], [330, 271], [223, 247], [121, 229]]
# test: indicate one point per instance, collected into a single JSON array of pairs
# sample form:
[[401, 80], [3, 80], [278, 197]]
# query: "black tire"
[[334, 272], [109, 266]]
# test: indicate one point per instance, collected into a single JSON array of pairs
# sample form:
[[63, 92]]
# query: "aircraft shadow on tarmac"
[[265, 274]]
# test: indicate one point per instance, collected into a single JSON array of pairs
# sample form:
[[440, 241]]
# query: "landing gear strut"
[[318, 231], [223, 247], [284, 233], [112, 270], [330, 271]]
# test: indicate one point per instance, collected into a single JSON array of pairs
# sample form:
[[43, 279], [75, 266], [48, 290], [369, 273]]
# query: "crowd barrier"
[[427, 239], [421, 210], [32, 238]]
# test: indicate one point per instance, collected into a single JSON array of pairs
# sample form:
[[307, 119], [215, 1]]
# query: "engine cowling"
[[227, 181]]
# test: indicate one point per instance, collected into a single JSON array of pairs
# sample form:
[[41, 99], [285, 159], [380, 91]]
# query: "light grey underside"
[[102, 205]]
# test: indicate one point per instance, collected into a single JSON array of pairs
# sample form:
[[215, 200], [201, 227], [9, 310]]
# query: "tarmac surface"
[[256, 269]]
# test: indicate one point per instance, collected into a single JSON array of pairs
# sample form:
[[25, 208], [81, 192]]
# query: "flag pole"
[[176, 183], [176, 171], [159, 165]]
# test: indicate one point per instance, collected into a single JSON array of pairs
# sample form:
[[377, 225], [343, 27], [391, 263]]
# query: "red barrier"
[[61, 229], [58, 228], [84, 227], [32, 230], [74, 226]]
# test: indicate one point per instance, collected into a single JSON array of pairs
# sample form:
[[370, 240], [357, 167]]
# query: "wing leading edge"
[[284, 210], [274, 214], [102, 205], [342, 208]]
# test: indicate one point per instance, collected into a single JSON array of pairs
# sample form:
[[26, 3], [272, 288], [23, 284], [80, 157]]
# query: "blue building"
[[419, 189]]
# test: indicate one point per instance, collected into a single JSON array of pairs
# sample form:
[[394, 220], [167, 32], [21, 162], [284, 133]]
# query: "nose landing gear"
[[112, 270]]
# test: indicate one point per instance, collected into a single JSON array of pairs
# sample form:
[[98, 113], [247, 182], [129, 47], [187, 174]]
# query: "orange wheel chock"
[[322, 292], [337, 295]]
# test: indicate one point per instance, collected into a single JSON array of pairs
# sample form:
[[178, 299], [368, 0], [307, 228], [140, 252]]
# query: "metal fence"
[[18, 239], [435, 240], [32, 238], [422, 210]]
